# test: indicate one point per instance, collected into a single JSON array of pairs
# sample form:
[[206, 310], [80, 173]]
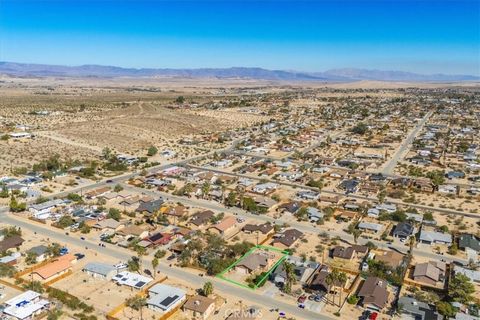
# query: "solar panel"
[[140, 284], [167, 301]]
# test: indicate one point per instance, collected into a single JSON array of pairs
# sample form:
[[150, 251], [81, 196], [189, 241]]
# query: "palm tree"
[[342, 279], [137, 303], [155, 264], [290, 276], [412, 243], [356, 233], [336, 279], [205, 189]]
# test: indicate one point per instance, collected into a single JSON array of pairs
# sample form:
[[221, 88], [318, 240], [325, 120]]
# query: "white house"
[[26, 305], [163, 298]]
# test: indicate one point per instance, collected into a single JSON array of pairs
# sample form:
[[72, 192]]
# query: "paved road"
[[350, 195], [175, 272], [302, 226], [405, 145]]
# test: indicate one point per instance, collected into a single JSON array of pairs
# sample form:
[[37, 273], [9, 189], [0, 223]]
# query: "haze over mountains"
[[341, 75]]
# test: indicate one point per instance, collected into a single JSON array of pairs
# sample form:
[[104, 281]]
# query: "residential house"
[[342, 253], [132, 231], [431, 273], [40, 252], [132, 280], [223, 226], [198, 307], [370, 227], [265, 188], [54, 269], [469, 241], [424, 185], [109, 225], [391, 258], [291, 206], [201, 217], [434, 237], [287, 238], [403, 230], [148, 208], [100, 270], [473, 275], [157, 239], [25, 306], [45, 207], [308, 195], [252, 263], [349, 186], [448, 189], [11, 259], [374, 293], [303, 270], [164, 298], [97, 193], [11, 243], [319, 281], [265, 228], [314, 214], [413, 309]]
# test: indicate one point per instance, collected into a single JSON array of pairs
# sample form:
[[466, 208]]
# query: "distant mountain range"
[[340, 75]]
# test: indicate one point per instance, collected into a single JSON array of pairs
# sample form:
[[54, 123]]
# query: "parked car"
[[302, 299], [120, 265]]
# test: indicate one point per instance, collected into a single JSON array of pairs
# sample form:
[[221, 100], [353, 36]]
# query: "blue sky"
[[420, 36]]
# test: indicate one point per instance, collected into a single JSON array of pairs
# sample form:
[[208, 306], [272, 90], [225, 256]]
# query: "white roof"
[[130, 279], [22, 306], [46, 205], [165, 297], [433, 236], [473, 275], [370, 226]]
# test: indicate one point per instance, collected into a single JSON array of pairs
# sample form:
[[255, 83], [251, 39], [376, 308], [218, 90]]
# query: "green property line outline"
[[221, 274], [271, 270]]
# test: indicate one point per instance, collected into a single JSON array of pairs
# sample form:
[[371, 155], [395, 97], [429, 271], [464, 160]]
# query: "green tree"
[[11, 231], [249, 204], [54, 314], [290, 276], [152, 151], [107, 153], [7, 271], [137, 303], [84, 228], [302, 214], [31, 258], [34, 286], [180, 100], [4, 192], [134, 264], [65, 221], [446, 309], [155, 263], [461, 289], [160, 254], [114, 214], [16, 206], [118, 188], [207, 289], [53, 250], [231, 199], [74, 197]]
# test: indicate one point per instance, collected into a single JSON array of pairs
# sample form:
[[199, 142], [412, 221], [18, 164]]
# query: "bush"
[[353, 299]]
